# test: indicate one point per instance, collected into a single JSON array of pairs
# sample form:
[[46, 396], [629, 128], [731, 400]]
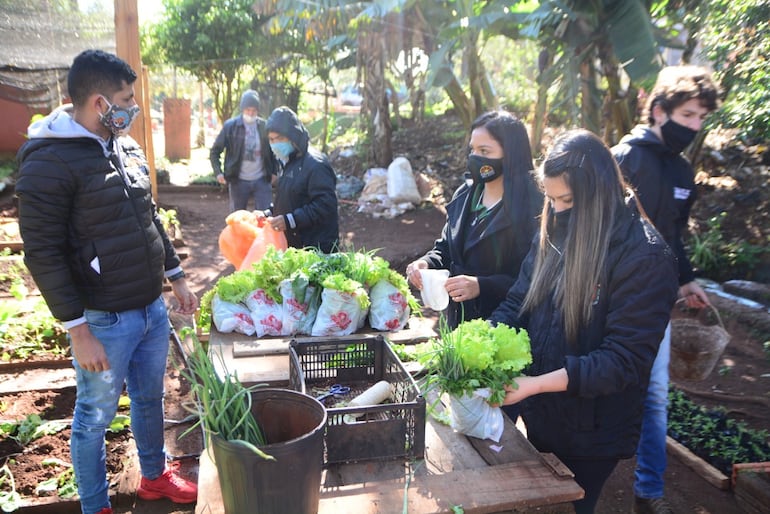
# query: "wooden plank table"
[[481, 476]]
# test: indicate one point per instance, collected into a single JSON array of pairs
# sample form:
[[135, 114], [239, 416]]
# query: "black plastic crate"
[[375, 432]]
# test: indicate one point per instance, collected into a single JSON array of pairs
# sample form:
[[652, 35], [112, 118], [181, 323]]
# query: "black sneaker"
[[651, 506]]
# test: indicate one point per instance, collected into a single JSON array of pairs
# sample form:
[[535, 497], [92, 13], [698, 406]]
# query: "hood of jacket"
[[60, 124], [285, 122], [642, 135]]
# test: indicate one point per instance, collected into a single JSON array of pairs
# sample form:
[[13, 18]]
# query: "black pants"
[[590, 475]]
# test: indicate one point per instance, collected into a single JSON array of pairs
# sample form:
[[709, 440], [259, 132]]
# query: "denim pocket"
[[101, 319]]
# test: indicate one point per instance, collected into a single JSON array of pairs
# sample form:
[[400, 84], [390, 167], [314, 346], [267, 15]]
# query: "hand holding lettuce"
[[472, 364]]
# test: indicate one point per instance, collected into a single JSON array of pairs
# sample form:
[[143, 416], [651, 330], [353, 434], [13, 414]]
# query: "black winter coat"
[[92, 236], [306, 188], [231, 141], [495, 257], [600, 414], [664, 184]]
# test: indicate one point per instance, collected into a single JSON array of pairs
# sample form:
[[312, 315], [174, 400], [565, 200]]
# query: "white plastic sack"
[[362, 318], [298, 315], [266, 313], [231, 317], [389, 310], [338, 314], [375, 185], [473, 416], [401, 184], [434, 294]]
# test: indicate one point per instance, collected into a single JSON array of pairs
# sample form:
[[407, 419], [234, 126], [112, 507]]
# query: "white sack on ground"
[[402, 186]]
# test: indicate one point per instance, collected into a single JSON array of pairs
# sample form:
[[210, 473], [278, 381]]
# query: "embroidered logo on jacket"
[[681, 193]]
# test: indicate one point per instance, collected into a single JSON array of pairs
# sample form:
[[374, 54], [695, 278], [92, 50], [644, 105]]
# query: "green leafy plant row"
[[713, 436], [30, 331], [712, 255]]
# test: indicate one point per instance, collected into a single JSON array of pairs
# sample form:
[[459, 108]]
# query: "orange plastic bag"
[[266, 236], [237, 240]]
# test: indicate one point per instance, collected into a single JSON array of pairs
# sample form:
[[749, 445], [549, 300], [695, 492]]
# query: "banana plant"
[[589, 48]]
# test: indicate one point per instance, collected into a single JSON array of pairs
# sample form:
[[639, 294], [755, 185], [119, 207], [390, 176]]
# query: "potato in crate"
[[394, 428]]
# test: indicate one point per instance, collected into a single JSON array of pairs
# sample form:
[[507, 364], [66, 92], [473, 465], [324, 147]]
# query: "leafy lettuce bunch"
[[344, 284], [475, 355]]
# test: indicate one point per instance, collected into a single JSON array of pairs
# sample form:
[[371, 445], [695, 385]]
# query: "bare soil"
[[739, 382]]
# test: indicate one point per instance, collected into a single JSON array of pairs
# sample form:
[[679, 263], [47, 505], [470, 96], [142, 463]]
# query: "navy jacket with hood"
[[664, 184], [494, 257], [92, 236], [306, 188], [600, 414]]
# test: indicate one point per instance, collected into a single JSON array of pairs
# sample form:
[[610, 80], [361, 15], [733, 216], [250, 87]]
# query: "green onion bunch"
[[223, 406]]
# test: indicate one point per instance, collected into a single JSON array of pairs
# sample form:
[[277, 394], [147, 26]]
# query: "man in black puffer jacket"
[[98, 252], [306, 201]]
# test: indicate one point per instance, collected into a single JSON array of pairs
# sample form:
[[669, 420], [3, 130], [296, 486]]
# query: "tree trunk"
[[616, 111], [325, 131], [375, 104], [541, 106], [460, 101], [475, 70], [590, 113]]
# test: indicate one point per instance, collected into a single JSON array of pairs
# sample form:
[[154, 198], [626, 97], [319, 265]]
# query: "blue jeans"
[[136, 343], [260, 191], [651, 453]]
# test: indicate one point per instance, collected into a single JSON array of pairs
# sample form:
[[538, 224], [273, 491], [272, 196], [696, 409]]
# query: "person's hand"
[[693, 295], [188, 302], [277, 222], [462, 288], [552, 382], [514, 394], [413, 272], [87, 350], [221, 179]]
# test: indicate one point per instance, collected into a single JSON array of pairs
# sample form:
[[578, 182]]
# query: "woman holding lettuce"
[[595, 294], [490, 220]]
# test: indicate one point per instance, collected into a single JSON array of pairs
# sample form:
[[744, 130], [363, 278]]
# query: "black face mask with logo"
[[484, 169], [675, 136]]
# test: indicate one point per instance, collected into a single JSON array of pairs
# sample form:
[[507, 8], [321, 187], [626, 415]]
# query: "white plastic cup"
[[434, 294]]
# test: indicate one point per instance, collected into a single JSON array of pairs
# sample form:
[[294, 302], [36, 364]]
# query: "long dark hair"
[[510, 132], [574, 272]]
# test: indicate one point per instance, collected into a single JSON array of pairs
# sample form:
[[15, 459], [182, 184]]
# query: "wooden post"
[[127, 45]]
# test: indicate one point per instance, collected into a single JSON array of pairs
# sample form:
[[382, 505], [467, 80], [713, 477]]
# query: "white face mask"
[[249, 119]]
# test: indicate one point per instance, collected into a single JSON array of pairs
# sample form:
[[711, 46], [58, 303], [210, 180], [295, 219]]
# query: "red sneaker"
[[105, 510], [169, 485]]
